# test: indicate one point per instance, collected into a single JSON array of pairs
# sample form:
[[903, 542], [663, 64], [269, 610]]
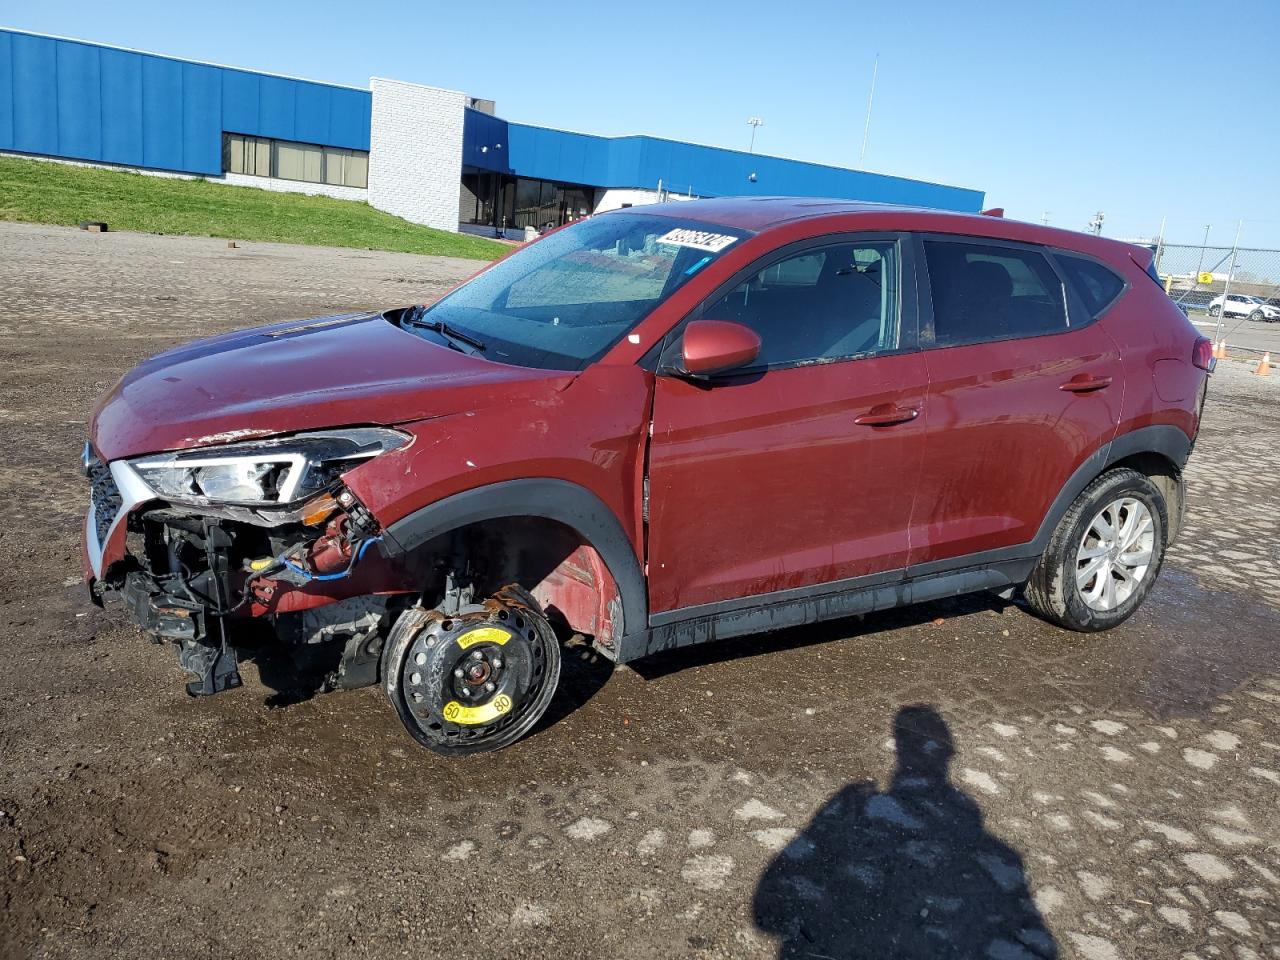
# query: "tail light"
[[1202, 354]]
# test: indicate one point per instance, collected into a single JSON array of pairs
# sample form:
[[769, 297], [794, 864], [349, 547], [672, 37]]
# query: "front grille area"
[[105, 497]]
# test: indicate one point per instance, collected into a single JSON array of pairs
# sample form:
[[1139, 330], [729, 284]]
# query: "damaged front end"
[[204, 543]]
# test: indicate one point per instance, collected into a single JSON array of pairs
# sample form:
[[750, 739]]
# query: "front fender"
[[547, 498]]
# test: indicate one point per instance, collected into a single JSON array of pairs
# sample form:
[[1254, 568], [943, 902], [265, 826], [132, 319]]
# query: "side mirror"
[[715, 346]]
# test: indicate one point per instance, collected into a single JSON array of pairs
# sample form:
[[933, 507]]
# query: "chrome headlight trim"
[[295, 463], [299, 456]]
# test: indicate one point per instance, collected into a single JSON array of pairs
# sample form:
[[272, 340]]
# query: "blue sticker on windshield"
[[697, 266]]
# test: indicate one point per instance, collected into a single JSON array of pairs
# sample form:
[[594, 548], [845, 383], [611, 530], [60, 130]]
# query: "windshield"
[[564, 300]]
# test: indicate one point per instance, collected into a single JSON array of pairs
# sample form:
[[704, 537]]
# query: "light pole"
[[866, 129], [755, 123]]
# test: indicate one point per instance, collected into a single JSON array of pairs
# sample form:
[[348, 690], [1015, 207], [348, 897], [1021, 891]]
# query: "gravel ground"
[[1249, 339], [957, 779]]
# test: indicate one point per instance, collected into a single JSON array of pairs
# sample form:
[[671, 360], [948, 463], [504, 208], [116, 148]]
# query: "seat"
[[971, 298], [837, 316]]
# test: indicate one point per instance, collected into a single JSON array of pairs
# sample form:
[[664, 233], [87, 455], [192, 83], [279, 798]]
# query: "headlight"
[[271, 471]]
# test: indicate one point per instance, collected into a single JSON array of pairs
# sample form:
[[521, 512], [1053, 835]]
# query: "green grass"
[[34, 191]]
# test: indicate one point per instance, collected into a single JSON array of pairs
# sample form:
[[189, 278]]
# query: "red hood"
[[302, 375]]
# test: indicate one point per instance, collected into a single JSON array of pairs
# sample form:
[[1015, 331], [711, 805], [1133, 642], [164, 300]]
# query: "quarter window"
[[1096, 285], [827, 303], [307, 162], [989, 292]]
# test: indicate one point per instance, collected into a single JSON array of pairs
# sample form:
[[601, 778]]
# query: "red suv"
[[654, 428]]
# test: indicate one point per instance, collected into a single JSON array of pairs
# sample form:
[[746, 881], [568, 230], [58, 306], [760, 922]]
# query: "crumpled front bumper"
[[115, 490]]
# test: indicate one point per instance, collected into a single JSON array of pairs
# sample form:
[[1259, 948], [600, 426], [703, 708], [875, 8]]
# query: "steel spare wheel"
[[478, 679]]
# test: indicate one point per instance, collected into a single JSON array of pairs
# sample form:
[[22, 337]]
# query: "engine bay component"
[[191, 573], [475, 679], [215, 666], [346, 637]]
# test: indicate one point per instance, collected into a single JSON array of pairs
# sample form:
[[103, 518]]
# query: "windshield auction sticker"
[[697, 239]]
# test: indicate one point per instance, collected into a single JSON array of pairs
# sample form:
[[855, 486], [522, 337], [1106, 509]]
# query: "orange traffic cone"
[[1220, 351], [1264, 366]]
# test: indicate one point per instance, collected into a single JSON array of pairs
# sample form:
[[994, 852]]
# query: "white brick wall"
[[231, 179], [106, 166], [415, 153], [293, 186]]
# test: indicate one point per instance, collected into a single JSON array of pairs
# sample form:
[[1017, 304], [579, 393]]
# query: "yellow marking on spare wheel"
[[483, 635], [455, 712]]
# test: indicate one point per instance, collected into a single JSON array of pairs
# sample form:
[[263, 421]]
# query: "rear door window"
[[1096, 285], [987, 291]]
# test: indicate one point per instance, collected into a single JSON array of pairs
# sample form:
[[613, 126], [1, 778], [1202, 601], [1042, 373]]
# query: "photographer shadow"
[[905, 872]]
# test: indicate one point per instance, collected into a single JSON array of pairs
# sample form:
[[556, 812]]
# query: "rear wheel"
[[475, 680], [1104, 554], [1214, 311]]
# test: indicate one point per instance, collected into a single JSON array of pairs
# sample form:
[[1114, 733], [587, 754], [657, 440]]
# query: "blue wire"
[[308, 576]]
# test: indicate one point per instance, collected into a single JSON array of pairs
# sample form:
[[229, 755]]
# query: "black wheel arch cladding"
[[548, 498], [1162, 439]]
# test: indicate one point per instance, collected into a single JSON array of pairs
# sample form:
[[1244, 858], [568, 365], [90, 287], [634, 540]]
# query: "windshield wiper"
[[413, 318]]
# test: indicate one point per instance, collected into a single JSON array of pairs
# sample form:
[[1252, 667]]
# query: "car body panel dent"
[[589, 433], [816, 496], [998, 416]]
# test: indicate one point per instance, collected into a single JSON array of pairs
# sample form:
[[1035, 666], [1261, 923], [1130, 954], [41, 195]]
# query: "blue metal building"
[[81, 101], [683, 168]]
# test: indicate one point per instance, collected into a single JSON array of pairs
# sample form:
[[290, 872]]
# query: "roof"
[[761, 213], [758, 214], [177, 59]]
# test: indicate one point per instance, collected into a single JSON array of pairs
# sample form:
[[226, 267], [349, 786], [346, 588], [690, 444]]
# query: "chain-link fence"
[[1231, 292]]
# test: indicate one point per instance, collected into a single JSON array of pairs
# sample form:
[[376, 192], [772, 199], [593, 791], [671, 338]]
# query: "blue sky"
[[1141, 110]]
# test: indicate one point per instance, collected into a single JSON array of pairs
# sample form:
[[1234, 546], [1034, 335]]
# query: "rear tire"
[[1214, 311], [1104, 555]]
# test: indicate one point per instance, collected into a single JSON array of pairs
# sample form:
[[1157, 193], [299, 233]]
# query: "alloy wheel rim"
[[1115, 553]]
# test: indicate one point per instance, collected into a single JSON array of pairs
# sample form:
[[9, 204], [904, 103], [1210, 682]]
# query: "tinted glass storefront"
[[518, 202]]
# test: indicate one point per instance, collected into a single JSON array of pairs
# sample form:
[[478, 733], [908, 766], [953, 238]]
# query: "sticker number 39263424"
[[697, 239]]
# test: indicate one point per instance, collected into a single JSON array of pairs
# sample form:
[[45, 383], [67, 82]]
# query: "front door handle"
[[885, 415], [1086, 383]]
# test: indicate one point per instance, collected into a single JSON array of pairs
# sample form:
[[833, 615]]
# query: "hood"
[[302, 375]]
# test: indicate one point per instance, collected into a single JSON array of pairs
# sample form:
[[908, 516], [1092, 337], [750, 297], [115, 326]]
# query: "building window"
[[497, 200], [251, 155], [309, 163]]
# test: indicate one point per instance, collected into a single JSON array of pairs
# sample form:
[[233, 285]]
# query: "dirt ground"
[[954, 780]]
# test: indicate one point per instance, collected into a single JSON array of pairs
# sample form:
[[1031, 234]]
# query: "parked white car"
[[1240, 305]]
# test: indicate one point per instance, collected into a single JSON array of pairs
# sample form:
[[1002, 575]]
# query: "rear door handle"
[[1085, 383], [885, 415]]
